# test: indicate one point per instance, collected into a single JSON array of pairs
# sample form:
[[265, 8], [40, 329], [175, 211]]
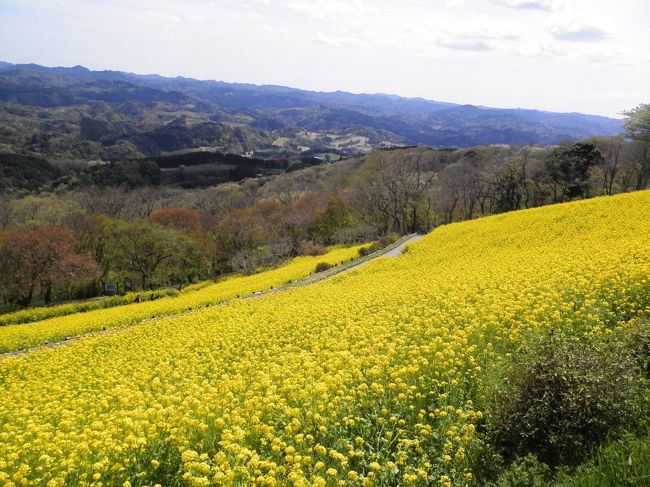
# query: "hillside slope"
[[372, 376], [63, 322], [134, 111]]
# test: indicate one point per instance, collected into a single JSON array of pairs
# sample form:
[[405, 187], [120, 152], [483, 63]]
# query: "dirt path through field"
[[389, 251], [400, 248]]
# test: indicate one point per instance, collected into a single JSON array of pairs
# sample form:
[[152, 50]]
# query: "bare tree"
[[612, 150], [637, 128], [142, 202], [510, 183], [109, 201], [640, 155], [446, 194], [6, 212], [395, 188]]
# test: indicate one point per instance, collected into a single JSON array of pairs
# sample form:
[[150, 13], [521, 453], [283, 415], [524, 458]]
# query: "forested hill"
[[118, 115]]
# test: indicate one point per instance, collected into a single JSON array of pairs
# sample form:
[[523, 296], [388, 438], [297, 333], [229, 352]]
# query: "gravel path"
[[400, 248], [392, 252]]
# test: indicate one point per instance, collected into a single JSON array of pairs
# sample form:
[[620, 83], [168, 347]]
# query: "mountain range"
[[77, 113]]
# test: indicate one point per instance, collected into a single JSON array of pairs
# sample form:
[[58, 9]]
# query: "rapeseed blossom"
[[373, 377], [17, 337]]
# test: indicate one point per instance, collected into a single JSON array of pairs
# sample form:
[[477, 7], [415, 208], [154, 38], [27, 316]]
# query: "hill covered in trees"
[[120, 166], [110, 229], [75, 113]]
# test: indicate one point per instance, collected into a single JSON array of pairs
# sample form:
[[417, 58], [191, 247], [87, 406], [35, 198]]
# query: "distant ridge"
[[381, 118]]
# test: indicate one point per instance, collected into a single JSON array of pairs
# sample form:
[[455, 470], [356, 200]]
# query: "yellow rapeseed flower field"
[[20, 336], [29, 315], [372, 377]]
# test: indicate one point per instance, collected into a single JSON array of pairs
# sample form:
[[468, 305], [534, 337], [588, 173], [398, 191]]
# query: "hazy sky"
[[591, 56]]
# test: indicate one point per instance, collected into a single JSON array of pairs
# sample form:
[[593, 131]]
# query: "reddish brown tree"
[[179, 219], [41, 258]]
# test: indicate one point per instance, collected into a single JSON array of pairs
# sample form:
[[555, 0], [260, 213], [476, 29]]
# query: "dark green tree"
[[568, 170], [335, 216], [154, 252]]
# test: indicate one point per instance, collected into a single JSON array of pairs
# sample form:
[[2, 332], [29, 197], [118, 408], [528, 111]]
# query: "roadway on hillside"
[[400, 248], [393, 250], [389, 251]]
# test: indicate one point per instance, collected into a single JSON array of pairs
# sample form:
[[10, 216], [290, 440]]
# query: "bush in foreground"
[[562, 397]]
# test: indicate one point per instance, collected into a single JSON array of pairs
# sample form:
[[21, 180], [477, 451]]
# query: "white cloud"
[[332, 8], [320, 38], [610, 57], [164, 16], [486, 28], [272, 29], [546, 5], [247, 14], [479, 34], [465, 45], [456, 4], [541, 49], [578, 31]]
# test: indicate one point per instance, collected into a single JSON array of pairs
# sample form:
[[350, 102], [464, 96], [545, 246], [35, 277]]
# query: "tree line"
[[57, 246], [84, 250], [418, 189]]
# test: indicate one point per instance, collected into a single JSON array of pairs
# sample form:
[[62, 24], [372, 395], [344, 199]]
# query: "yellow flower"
[[265, 387]]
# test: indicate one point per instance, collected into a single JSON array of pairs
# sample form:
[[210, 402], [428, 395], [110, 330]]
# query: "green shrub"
[[379, 244], [387, 239], [527, 471], [323, 266], [197, 286], [367, 250], [624, 461], [637, 341], [563, 397], [30, 315]]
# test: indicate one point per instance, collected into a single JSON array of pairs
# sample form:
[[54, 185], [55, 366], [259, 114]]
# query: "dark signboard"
[[110, 288]]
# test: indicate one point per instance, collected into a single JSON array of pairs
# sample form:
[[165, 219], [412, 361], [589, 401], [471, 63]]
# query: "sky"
[[589, 56]]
